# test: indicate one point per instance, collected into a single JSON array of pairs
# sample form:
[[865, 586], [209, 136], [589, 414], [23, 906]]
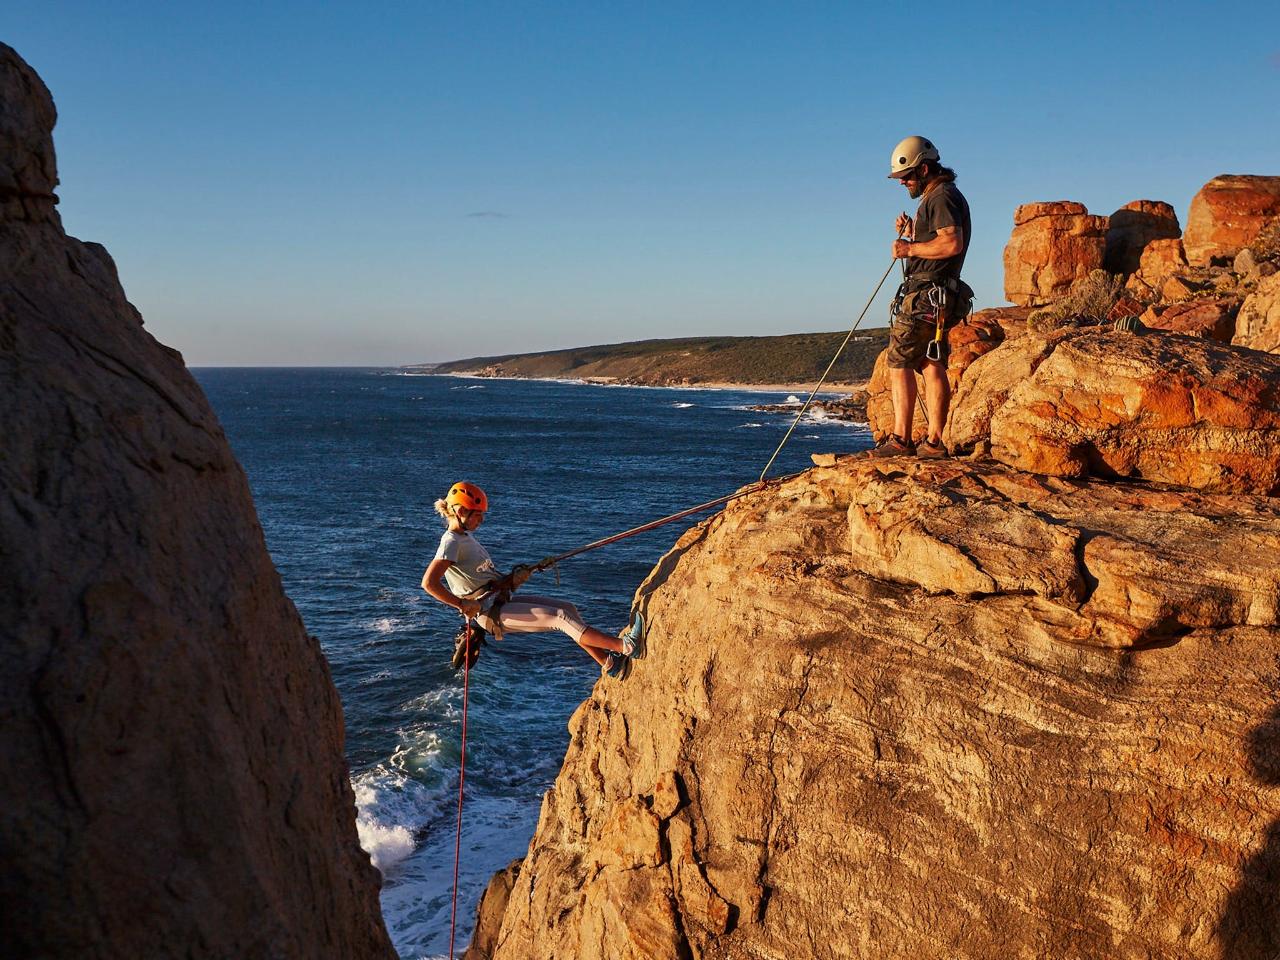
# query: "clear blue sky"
[[289, 183]]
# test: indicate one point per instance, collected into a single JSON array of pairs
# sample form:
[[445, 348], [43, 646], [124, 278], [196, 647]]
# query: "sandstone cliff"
[[173, 748], [1021, 705], [930, 710]]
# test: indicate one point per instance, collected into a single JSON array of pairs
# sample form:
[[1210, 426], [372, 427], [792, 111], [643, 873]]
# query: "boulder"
[[935, 710], [1258, 323], [1228, 214], [1214, 319], [1178, 410], [987, 385], [1131, 228], [1052, 246], [171, 739], [1160, 260]]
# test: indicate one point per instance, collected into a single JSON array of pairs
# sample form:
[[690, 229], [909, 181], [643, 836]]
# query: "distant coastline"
[[828, 388], [791, 363]]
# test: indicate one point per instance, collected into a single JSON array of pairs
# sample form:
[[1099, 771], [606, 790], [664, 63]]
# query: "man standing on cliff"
[[932, 297]]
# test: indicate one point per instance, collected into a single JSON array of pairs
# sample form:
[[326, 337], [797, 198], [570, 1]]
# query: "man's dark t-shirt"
[[943, 206]]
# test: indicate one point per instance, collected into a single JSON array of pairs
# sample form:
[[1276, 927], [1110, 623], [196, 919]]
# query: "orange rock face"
[[1179, 410], [1131, 228], [1161, 259], [922, 710], [1212, 319], [1052, 246], [1258, 323], [1227, 214]]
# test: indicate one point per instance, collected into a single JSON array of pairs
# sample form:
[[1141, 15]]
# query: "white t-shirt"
[[472, 569]]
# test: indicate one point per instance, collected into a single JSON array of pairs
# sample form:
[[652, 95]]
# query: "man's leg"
[[937, 397], [902, 389]]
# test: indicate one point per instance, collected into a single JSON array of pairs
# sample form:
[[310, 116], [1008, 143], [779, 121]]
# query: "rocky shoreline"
[[850, 409]]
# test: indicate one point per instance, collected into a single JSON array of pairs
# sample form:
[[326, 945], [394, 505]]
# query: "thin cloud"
[[488, 215]]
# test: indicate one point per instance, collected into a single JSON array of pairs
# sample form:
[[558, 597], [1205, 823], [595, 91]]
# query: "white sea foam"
[[792, 399], [391, 809], [682, 406], [385, 625], [752, 425], [416, 899]]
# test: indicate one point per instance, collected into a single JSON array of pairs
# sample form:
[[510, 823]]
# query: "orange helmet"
[[468, 496]]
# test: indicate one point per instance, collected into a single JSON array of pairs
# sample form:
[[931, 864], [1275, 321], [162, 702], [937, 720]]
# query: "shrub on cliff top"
[[1090, 300]]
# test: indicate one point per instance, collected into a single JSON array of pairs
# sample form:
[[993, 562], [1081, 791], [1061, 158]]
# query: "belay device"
[[467, 644]]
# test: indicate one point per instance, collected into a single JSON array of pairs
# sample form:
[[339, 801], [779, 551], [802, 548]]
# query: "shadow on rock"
[[1250, 926]]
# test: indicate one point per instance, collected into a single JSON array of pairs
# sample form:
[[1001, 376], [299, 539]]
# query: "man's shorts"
[[909, 339]]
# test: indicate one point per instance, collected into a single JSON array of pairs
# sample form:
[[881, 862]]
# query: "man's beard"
[[915, 189]]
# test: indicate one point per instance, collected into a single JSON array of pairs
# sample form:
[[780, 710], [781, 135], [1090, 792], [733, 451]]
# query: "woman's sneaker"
[[616, 666], [633, 639]]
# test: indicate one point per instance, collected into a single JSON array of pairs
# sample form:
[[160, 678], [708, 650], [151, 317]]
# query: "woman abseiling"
[[463, 576]]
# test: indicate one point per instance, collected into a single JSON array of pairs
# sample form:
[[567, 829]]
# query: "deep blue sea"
[[345, 465]]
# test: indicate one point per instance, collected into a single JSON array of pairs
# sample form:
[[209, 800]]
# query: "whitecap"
[[384, 625], [752, 424], [792, 398], [391, 809], [682, 406]]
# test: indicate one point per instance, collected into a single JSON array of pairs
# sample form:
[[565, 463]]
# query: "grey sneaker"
[[617, 666], [633, 640], [891, 446]]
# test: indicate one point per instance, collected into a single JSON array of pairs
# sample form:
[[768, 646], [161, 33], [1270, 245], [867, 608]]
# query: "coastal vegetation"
[[795, 358]]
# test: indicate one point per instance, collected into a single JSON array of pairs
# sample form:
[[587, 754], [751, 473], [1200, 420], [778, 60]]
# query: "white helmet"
[[909, 154]]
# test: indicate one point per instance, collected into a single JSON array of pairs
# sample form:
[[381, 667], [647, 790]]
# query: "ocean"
[[345, 466]]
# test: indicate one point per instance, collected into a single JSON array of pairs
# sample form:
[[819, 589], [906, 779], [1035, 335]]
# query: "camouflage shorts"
[[909, 339]]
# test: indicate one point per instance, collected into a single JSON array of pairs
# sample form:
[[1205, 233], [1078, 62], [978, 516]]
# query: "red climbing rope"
[[462, 782]]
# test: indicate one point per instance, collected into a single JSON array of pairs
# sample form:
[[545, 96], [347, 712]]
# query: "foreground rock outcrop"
[[172, 742], [906, 709], [1176, 409]]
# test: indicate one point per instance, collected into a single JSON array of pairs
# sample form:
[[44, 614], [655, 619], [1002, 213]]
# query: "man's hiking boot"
[[617, 666], [891, 446], [928, 450]]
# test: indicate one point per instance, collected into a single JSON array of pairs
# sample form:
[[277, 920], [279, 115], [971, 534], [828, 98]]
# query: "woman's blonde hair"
[[442, 508]]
